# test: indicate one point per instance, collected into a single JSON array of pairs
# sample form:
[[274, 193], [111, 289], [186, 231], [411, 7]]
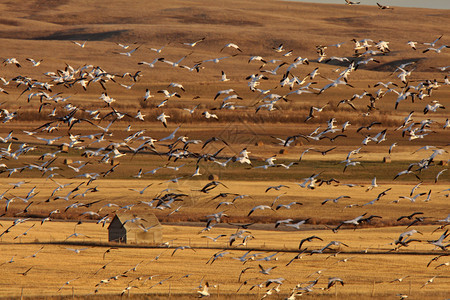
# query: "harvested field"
[[165, 108]]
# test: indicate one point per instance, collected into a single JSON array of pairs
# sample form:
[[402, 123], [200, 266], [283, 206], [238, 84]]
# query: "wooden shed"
[[130, 228]]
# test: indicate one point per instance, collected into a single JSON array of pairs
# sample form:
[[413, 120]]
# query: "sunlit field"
[[282, 159], [366, 265]]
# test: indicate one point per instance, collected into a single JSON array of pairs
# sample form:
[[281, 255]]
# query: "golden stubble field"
[[40, 261], [365, 266]]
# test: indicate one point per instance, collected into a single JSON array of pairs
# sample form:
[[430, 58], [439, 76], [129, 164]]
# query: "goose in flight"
[[403, 236], [123, 46], [429, 281], [265, 271], [191, 111], [412, 44], [214, 239], [278, 187], [256, 58], [147, 95], [182, 248], [139, 115], [288, 165], [269, 257], [193, 44], [12, 60], [77, 251], [443, 264], [278, 49], [261, 207], [216, 60], [82, 45], [174, 64], [162, 103], [383, 6], [129, 52], [7, 82], [324, 152], [196, 67], [298, 224], [373, 184], [334, 280], [439, 174], [217, 255], [334, 83], [308, 239], [168, 94], [433, 107], [279, 222], [204, 291], [433, 43], [76, 235], [356, 221], [231, 45], [141, 192], [77, 169], [274, 71], [439, 243], [409, 217], [157, 50], [332, 243], [67, 283], [404, 172], [224, 77], [335, 200], [34, 62], [163, 119], [226, 92], [287, 206], [304, 152], [209, 115], [49, 141], [414, 188], [399, 279], [348, 2], [437, 50], [150, 64], [128, 87]]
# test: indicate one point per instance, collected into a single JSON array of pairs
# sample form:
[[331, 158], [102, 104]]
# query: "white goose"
[[231, 45]]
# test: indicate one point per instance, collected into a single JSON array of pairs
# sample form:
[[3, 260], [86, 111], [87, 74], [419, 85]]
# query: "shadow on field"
[[79, 34]]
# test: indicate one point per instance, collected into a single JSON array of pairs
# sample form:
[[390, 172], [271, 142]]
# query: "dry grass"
[[45, 29], [196, 206], [360, 272]]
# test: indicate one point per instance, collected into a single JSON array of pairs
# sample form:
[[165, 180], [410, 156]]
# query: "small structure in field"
[[64, 148], [213, 177], [443, 163], [387, 159], [129, 228]]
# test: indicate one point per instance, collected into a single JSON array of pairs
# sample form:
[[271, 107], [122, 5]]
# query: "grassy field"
[[55, 154], [367, 268]]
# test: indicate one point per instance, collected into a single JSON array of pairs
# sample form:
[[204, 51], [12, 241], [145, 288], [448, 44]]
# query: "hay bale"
[[213, 177], [259, 144], [443, 163], [67, 161], [64, 148], [387, 159], [283, 151]]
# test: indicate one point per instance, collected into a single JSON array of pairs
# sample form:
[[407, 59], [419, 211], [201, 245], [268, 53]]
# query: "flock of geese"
[[102, 153]]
